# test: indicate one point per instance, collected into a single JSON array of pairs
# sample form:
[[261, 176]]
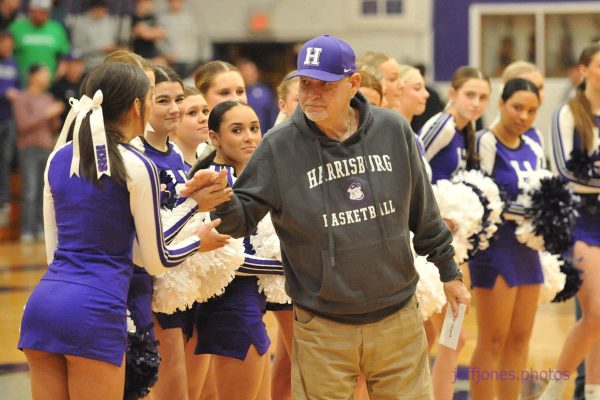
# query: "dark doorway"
[[274, 59]]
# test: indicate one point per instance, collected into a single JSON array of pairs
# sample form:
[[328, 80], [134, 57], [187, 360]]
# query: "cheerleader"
[[576, 158], [413, 95], [506, 277], [449, 137], [391, 82], [370, 87], [449, 145], [287, 96], [171, 330], [75, 341], [219, 81], [529, 71], [192, 132], [231, 327]]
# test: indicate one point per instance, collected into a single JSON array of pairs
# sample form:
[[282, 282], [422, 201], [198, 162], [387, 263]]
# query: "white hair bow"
[[79, 109]]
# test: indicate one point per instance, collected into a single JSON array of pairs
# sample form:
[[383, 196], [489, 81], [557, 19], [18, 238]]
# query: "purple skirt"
[[517, 263], [229, 324], [71, 319], [587, 229]]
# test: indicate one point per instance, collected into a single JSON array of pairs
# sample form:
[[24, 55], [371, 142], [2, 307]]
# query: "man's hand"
[[210, 239], [456, 292], [210, 197], [204, 178]]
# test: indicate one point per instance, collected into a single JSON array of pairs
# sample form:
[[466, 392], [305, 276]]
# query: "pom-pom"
[[216, 269], [554, 279], [582, 165], [198, 278], [572, 282], [491, 198], [168, 196], [141, 370], [461, 205], [430, 290], [266, 245], [130, 324], [273, 286], [550, 212], [266, 242]]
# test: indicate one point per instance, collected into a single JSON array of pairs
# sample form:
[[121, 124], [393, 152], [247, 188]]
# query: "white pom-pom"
[[265, 242], [176, 288], [266, 245], [554, 279], [461, 205], [198, 278], [273, 286], [494, 207], [216, 269], [430, 290]]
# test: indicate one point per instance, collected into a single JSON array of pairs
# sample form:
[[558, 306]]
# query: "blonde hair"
[[283, 89], [127, 57], [190, 91], [205, 75], [516, 68], [369, 81], [408, 72], [373, 58]]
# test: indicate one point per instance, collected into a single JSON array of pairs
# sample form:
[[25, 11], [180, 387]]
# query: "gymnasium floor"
[[22, 265]]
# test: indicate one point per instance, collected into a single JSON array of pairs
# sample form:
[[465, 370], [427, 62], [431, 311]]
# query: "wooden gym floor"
[[21, 266]]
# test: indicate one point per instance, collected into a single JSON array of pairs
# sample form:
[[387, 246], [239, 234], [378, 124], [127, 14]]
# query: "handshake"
[[209, 189]]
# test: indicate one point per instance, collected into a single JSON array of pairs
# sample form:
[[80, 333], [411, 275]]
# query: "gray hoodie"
[[343, 212]]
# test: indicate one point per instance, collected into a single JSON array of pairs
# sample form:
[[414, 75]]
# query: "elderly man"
[[345, 185]]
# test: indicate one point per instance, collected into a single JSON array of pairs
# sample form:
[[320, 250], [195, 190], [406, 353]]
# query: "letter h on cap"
[[312, 56]]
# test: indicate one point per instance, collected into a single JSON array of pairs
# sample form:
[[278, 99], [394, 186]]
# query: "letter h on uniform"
[[312, 56]]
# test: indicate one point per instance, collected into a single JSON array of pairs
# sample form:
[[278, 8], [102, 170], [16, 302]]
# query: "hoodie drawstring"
[[325, 193]]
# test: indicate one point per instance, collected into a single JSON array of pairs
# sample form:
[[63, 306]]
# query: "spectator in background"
[[36, 116], [9, 9], [145, 30], [95, 33], [260, 96], [181, 54], [434, 104], [9, 84], [39, 40], [68, 86]]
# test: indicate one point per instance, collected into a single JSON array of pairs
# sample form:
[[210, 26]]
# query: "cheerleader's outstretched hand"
[[210, 239]]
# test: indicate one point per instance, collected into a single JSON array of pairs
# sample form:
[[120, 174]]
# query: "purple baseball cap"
[[325, 58]]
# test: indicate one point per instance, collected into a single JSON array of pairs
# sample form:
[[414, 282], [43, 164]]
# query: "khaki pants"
[[328, 356]]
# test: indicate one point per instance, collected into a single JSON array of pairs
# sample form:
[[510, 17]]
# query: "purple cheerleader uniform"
[[506, 256], [79, 306], [172, 172], [227, 325], [444, 145], [565, 138]]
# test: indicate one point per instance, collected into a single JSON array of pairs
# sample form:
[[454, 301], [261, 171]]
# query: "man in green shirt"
[[38, 39]]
